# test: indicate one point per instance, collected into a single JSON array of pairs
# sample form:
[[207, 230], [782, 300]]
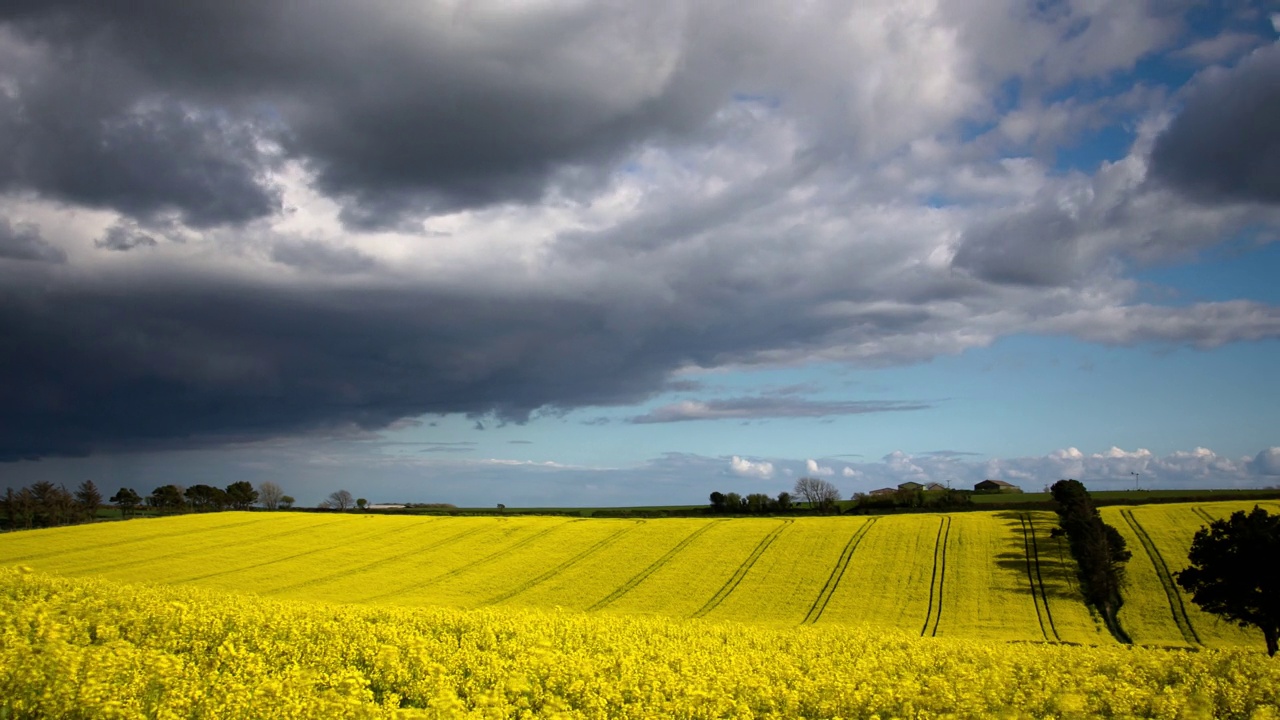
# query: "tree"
[[166, 497], [1228, 575], [757, 503], [270, 495], [20, 508], [241, 495], [717, 502], [817, 493], [338, 500], [206, 497], [783, 503], [286, 502], [1098, 548], [89, 499], [733, 502], [361, 503], [127, 499]]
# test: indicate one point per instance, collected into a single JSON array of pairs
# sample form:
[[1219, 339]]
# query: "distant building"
[[882, 492], [911, 486], [935, 487], [384, 506], [996, 486]]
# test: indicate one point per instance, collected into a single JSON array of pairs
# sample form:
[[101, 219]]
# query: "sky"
[[590, 253]]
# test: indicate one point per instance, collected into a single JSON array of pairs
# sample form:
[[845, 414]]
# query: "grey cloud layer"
[[23, 242], [782, 219], [759, 408], [1225, 145]]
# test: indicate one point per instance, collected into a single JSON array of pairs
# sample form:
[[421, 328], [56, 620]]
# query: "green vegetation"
[[1099, 550], [1232, 571]]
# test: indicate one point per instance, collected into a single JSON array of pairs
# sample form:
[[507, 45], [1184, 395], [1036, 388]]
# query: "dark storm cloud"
[[397, 108], [322, 258], [116, 145], [1225, 145], [122, 237], [22, 241], [769, 407], [149, 362], [1035, 247]]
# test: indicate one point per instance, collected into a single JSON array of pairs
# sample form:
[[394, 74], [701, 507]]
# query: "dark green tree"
[[733, 503], [717, 502], [784, 502], [127, 499], [167, 497], [205, 498], [20, 508], [1233, 574], [241, 495], [89, 499], [1098, 548], [757, 503], [286, 502]]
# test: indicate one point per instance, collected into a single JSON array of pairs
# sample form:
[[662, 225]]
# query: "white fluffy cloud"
[[813, 468], [746, 468]]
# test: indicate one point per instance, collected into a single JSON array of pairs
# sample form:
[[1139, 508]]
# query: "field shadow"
[[1056, 571]]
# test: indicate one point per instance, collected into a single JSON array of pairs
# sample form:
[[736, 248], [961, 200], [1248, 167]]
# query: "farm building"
[[996, 486], [882, 492], [935, 487], [909, 485]]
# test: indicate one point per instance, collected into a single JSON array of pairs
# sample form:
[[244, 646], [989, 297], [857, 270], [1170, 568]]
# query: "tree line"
[[1098, 548], [817, 495], [43, 504]]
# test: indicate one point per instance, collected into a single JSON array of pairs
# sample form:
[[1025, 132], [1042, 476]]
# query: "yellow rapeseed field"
[[90, 648], [979, 575], [1156, 610]]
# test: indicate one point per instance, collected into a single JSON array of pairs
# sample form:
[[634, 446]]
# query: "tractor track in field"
[[1036, 578], [131, 541], [1176, 606], [653, 567], [471, 565], [304, 553], [360, 569], [547, 575], [837, 573], [1200, 511], [732, 583], [938, 578]]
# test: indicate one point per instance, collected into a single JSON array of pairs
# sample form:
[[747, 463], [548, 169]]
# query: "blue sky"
[[630, 258]]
